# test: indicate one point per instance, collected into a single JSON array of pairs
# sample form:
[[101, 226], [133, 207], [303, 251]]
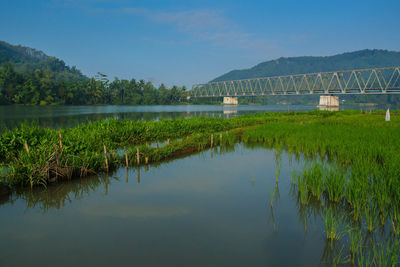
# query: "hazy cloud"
[[205, 25]]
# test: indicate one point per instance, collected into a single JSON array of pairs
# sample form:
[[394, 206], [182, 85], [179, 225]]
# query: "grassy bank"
[[32, 155]]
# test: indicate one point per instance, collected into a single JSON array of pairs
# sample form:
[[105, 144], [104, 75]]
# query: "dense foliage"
[[41, 87], [29, 76]]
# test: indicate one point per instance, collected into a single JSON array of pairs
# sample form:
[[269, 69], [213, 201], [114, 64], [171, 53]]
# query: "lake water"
[[207, 209], [202, 210], [67, 116]]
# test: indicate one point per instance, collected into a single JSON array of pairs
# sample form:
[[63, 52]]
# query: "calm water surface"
[[209, 209], [67, 116], [202, 210]]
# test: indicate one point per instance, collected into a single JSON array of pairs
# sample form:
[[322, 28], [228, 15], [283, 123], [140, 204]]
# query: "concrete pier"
[[230, 100], [328, 102]]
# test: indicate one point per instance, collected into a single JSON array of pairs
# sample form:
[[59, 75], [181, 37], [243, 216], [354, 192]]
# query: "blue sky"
[[187, 42]]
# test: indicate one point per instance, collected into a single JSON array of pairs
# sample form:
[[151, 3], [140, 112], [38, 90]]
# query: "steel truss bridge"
[[362, 81]]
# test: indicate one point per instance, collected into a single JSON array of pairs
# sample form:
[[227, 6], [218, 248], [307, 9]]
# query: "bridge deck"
[[363, 81]]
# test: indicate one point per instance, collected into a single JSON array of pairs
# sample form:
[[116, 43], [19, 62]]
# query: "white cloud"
[[206, 25]]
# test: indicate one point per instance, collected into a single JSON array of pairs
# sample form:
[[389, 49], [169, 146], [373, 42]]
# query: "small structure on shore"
[[387, 115], [230, 100], [328, 101]]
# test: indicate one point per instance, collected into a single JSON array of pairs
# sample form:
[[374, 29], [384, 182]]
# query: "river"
[[68, 116], [229, 206]]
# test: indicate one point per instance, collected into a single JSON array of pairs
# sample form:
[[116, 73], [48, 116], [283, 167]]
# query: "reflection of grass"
[[333, 227], [58, 195], [355, 236]]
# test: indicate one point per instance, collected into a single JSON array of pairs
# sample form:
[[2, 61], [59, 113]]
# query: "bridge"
[[327, 84]]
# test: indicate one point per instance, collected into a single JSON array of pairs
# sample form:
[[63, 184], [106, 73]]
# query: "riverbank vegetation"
[[33, 155]]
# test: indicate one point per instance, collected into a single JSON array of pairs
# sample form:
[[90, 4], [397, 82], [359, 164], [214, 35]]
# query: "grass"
[[36, 156]]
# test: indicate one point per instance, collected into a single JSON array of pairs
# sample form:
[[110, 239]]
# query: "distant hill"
[[297, 65], [27, 60]]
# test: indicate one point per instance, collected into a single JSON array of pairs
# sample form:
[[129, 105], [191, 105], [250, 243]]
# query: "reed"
[[333, 228]]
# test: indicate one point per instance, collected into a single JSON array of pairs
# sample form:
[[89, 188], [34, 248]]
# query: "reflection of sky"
[[192, 211]]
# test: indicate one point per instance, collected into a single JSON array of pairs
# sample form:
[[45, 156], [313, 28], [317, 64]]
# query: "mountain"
[[27, 60], [308, 64]]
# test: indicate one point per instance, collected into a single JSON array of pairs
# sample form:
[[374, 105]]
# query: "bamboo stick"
[[61, 145], [26, 148], [126, 160], [212, 140], [138, 156]]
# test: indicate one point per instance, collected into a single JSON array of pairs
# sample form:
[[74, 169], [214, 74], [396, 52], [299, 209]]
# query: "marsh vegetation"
[[350, 180]]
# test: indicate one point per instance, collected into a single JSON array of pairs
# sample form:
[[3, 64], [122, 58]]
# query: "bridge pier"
[[328, 102], [230, 100]]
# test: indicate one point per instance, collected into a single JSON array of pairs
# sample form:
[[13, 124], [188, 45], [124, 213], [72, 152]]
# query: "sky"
[[184, 42]]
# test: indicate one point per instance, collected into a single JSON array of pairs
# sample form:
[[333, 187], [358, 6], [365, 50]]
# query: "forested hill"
[[30, 77], [298, 65], [27, 60]]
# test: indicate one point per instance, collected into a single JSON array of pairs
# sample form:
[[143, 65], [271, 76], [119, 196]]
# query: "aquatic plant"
[[355, 237], [333, 227]]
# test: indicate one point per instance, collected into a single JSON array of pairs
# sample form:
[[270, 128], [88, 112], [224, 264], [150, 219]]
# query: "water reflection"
[[212, 208], [57, 195], [68, 116]]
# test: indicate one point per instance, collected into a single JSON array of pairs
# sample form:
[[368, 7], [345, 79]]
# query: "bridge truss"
[[363, 81]]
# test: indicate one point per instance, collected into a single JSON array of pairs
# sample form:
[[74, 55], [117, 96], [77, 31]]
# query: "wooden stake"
[[168, 141], [146, 160], [138, 156], [126, 160], [26, 148], [105, 158], [61, 145], [212, 140]]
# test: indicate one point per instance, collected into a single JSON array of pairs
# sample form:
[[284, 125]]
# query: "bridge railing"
[[362, 81]]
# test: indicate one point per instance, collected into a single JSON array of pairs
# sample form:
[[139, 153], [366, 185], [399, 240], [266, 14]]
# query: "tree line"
[[42, 87]]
